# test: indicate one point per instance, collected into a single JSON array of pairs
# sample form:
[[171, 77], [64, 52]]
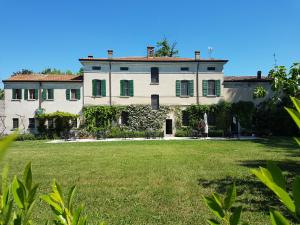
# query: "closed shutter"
[[178, 88], [218, 88], [122, 88], [131, 88], [78, 94], [20, 93], [26, 94], [94, 84], [191, 88], [103, 88], [36, 93], [13, 93], [204, 87], [44, 94], [68, 94]]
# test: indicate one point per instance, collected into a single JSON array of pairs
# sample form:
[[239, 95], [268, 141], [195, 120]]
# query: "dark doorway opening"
[[169, 127]]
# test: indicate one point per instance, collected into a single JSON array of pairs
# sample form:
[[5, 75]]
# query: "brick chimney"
[[150, 51], [110, 54], [197, 55], [258, 75]]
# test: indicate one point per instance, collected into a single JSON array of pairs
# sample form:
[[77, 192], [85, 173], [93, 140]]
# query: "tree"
[[166, 49], [56, 71], [80, 72], [2, 94], [23, 71]]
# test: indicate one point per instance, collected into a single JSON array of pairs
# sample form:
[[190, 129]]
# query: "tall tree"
[[165, 48], [23, 71], [2, 94]]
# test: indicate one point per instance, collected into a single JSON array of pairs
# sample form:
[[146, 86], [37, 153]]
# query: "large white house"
[[124, 81]]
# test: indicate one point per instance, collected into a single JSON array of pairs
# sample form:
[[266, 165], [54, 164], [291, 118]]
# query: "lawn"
[[154, 182]]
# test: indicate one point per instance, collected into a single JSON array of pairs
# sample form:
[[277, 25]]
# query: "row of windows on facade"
[[122, 68], [47, 94], [184, 88], [32, 123]]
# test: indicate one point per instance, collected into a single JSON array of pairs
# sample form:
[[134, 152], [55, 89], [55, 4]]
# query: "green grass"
[[155, 182]]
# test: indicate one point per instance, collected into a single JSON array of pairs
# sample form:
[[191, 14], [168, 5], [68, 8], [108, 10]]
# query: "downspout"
[[197, 83], [110, 102], [40, 95]]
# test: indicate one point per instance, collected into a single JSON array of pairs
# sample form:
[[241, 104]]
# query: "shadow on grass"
[[252, 194]]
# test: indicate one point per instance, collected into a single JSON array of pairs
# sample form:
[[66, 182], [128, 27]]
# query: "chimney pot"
[[197, 55], [150, 51], [90, 56], [259, 75], [109, 54]]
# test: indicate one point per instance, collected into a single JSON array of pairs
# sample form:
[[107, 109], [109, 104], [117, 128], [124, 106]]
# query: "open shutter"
[[103, 88], [26, 94], [13, 93], [78, 94], [204, 87], [122, 88], [131, 88], [218, 88], [94, 84], [44, 94], [51, 94], [178, 88], [36, 93], [68, 94], [191, 88], [20, 93]]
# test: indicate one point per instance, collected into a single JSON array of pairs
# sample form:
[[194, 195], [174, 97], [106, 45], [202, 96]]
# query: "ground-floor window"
[[185, 118], [31, 124], [74, 123], [15, 123], [50, 123], [155, 102], [124, 118]]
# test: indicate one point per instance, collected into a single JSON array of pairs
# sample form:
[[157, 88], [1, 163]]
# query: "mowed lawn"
[[154, 182]]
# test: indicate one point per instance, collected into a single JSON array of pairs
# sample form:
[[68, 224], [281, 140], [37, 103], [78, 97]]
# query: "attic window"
[[124, 68], [211, 68], [185, 68], [96, 68]]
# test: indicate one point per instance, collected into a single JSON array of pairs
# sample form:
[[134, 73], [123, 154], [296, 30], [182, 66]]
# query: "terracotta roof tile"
[[45, 77], [246, 79]]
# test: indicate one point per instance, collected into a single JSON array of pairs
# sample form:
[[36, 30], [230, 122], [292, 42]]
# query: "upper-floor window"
[[211, 87], [211, 68], [31, 94], [185, 68], [126, 88], [99, 88], [50, 94], [154, 75], [15, 123], [96, 67], [155, 102], [184, 88], [73, 94], [123, 68], [16, 94], [31, 124]]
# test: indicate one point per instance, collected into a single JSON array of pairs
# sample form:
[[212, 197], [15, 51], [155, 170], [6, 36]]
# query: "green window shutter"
[[13, 93], [131, 88], [178, 88], [36, 93], [51, 94], [44, 94], [103, 88], [26, 94], [21, 93], [191, 88], [78, 94], [68, 94], [122, 88], [218, 88], [204, 87], [94, 84]]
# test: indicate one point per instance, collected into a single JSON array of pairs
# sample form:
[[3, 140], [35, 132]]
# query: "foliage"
[[98, 118], [259, 92], [26, 137], [183, 132], [117, 132], [223, 117], [23, 71], [62, 122], [222, 207], [166, 49], [56, 71], [2, 94], [81, 71], [244, 112]]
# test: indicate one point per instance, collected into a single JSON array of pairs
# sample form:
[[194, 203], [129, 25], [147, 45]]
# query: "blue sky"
[[39, 34]]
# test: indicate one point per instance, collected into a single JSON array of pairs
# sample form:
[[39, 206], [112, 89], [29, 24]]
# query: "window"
[[31, 93], [185, 68], [124, 118], [17, 94], [211, 87], [98, 87], [73, 93], [154, 75], [126, 87], [50, 94], [74, 123], [15, 123], [96, 67], [155, 102], [124, 68], [211, 68], [31, 124], [50, 123], [184, 88], [185, 118]]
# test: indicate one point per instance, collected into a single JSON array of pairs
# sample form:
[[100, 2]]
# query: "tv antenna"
[[275, 60], [210, 51]]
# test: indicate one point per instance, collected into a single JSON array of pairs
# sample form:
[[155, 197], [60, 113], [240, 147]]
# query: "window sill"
[[98, 96], [73, 100], [16, 100], [211, 96], [31, 100], [184, 96], [154, 83], [125, 96]]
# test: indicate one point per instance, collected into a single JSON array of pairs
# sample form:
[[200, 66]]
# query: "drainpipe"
[[197, 84], [40, 95], [110, 83]]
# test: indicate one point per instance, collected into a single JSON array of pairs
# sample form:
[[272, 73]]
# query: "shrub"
[[183, 132], [26, 137]]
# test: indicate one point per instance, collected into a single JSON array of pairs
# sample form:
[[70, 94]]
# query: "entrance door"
[[169, 127]]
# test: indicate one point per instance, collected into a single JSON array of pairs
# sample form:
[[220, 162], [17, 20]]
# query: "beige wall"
[[25, 109]]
